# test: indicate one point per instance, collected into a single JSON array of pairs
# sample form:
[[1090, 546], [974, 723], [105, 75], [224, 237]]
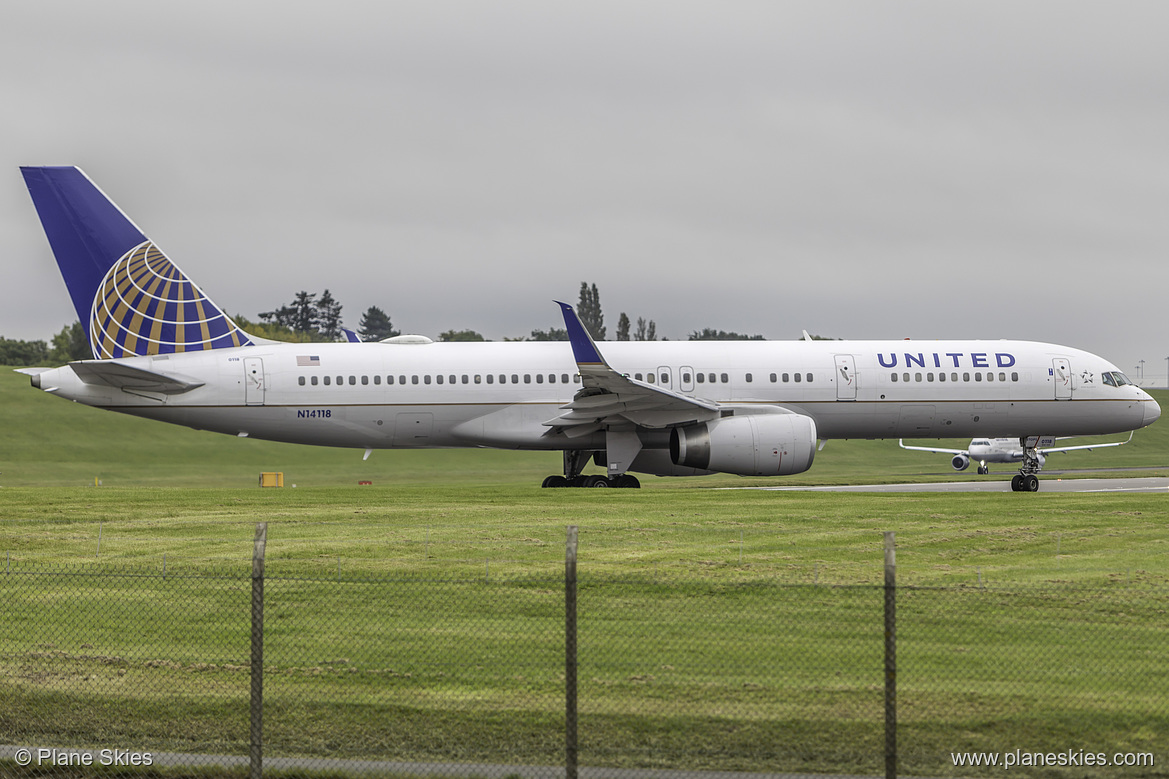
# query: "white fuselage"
[[381, 395]]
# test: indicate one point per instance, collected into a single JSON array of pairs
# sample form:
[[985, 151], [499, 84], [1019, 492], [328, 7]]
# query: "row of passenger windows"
[[538, 378], [715, 378], [451, 378], [990, 376]]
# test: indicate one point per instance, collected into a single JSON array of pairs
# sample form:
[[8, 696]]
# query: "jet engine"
[[960, 462], [748, 445]]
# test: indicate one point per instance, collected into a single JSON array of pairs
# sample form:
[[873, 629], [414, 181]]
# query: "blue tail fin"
[[131, 299]]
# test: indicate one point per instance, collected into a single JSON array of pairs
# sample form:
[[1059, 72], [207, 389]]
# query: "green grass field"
[[418, 618]]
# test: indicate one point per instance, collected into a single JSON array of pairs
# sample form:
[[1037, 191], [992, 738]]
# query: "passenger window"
[[637, 376], [942, 376], [917, 377], [786, 378], [467, 380], [748, 378], [990, 377], [701, 377], [328, 380], [929, 376], [414, 379], [797, 377], [965, 376], [809, 378], [905, 377], [893, 377], [564, 378], [437, 378], [515, 378], [340, 380], [725, 379], [313, 381], [686, 378], [978, 375], [390, 379], [377, 379], [491, 378], [365, 381], [426, 378], [773, 378], [1002, 376], [1014, 376], [539, 378], [353, 381], [649, 377], [953, 377], [300, 380], [402, 379], [527, 378]]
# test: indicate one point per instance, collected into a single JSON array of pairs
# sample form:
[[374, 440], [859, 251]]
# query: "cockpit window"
[[1115, 379]]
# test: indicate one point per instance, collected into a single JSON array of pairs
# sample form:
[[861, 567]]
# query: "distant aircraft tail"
[[130, 298]]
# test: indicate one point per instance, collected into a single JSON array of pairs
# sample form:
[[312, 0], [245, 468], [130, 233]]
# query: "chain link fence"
[[466, 676]]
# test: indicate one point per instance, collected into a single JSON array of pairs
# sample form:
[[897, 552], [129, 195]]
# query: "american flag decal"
[[304, 362]]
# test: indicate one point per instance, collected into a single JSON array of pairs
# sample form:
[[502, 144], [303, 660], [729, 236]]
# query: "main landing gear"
[[1026, 480], [574, 463]]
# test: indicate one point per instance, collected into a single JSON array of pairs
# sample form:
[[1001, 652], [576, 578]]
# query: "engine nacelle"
[[748, 445], [960, 462]]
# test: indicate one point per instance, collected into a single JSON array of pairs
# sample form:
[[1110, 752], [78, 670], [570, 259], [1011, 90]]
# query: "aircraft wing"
[[610, 396], [115, 374], [901, 443], [1086, 446]]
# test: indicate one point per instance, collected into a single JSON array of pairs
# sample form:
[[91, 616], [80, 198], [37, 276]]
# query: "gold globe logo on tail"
[[145, 305]]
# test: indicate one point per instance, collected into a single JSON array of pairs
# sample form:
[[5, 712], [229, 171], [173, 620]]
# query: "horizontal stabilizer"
[[125, 377]]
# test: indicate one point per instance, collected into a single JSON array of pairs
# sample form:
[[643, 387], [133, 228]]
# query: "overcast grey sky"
[[861, 170]]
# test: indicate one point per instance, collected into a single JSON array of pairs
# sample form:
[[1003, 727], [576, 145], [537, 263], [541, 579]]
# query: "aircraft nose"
[[1152, 412]]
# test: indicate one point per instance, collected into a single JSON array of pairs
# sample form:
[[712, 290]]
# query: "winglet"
[[351, 335], [584, 349]]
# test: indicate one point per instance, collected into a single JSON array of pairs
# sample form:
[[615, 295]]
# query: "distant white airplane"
[[163, 350], [1002, 450]]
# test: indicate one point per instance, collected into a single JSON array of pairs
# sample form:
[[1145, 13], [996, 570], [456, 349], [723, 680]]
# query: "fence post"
[[257, 712], [890, 657], [570, 747]]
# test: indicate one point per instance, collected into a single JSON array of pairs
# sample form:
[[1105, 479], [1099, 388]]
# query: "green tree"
[[709, 334], [461, 335], [589, 311], [13, 352], [645, 331], [328, 312], [375, 325], [272, 332], [551, 334], [623, 327], [71, 344]]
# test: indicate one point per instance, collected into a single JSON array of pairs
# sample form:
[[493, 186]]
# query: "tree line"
[[314, 318]]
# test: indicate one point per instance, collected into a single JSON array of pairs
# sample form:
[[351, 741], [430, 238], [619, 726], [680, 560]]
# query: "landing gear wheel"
[[595, 481], [983, 470], [628, 481], [555, 481], [1017, 482], [1030, 483]]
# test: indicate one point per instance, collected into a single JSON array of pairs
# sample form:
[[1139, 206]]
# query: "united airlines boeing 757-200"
[[163, 350]]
